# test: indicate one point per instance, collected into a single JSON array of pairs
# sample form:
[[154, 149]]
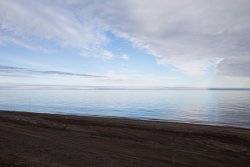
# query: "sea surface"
[[216, 107]]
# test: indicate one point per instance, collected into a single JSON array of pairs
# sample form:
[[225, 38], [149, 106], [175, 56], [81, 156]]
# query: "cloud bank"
[[25, 72], [189, 35]]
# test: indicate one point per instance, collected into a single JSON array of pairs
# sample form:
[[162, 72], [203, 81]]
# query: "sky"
[[125, 43]]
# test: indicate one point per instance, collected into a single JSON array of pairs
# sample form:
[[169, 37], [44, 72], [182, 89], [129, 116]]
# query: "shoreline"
[[199, 123], [39, 139]]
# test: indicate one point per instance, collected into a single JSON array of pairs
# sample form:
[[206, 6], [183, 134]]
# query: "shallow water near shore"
[[214, 107]]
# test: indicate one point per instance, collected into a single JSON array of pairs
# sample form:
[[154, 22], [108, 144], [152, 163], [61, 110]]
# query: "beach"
[[34, 139]]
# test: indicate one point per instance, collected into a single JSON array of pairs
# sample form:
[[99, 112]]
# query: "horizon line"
[[88, 87]]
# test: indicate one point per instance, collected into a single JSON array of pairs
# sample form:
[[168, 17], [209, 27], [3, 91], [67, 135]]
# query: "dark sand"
[[29, 139]]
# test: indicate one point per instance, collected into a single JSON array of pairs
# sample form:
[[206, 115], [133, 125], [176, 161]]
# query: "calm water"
[[231, 108]]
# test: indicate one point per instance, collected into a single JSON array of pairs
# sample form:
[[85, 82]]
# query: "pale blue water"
[[217, 107]]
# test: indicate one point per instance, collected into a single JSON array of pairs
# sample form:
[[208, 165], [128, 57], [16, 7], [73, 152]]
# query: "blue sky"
[[125, 43]]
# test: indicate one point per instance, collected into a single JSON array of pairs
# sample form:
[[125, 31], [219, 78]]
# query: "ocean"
[[212, 107]]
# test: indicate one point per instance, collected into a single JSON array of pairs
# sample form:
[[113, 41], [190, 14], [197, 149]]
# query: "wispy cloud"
[[67, 78], [17, 71], [30, 24], [124, 57], [187, 34]]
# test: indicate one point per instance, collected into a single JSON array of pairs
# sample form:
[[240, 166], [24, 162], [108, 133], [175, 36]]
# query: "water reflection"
[[199, 106]]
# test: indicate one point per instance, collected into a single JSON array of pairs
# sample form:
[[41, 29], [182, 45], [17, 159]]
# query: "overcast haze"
[[135, 43]]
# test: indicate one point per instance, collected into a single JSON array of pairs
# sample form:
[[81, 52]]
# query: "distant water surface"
[[217, 107]]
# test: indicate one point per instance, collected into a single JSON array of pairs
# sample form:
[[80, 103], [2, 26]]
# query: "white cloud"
[[5, 39], [100, 53], [188, 34], [39, 22], [124, 57], [235, 67]]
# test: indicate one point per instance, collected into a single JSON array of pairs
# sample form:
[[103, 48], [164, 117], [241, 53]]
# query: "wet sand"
[[31, 139]]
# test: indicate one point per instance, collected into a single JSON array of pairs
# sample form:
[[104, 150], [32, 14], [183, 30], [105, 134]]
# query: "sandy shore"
[[29, 139]]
